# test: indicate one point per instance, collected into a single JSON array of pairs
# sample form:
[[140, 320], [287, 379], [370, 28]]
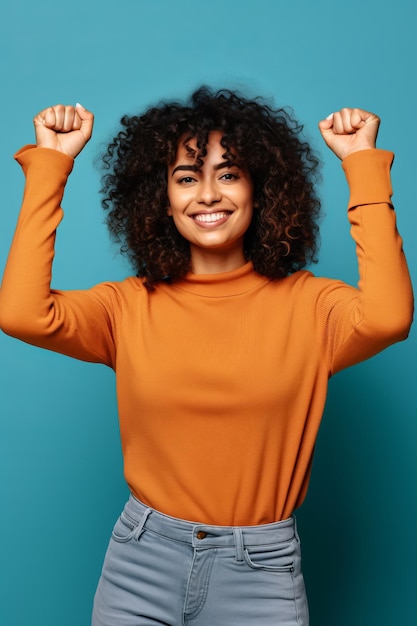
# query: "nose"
[[208, 192]]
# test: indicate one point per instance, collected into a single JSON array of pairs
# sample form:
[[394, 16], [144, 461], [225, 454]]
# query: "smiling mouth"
[[211, 218]]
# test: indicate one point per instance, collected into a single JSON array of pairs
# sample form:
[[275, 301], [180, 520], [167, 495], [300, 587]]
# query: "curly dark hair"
[[267, 142]]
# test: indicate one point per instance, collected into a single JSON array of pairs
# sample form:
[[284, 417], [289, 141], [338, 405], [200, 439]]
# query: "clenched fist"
[[350, 130], [64, 128]]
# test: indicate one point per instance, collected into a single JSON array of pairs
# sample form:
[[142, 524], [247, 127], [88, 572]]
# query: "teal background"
[[60, 462]]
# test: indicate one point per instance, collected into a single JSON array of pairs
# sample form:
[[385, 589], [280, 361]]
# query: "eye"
[[229, 176], [186, 180]]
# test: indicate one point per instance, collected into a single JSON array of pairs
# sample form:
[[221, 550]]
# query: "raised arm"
[[378, 313], [78, 322]]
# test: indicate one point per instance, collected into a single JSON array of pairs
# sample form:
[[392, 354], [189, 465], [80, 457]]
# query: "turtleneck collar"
[[233, 283]]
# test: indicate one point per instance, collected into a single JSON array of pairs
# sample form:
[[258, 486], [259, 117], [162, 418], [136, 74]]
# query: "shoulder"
[[125, 288], [306, 286]]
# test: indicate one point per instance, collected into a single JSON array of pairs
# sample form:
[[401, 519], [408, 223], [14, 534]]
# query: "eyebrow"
[[194, 168], [185, 168]]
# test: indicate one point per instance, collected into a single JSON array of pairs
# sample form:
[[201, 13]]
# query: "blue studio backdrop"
[[61, 475]]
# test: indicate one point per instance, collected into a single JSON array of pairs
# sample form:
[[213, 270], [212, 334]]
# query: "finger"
[[351, 120], [39, 119], [338, 127], [59, 118], [54, 117], [86, 119], [327, 123], [68, 119], [348, 120], [343, 122], [72, 120], [47, 117], [369, 118], [371, 123], [357, 118]]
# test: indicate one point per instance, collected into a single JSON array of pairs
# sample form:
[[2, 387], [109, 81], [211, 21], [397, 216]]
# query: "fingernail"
[[79, 106], [330, 117]]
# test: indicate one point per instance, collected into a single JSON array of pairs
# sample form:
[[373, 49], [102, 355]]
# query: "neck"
[[214, 261]]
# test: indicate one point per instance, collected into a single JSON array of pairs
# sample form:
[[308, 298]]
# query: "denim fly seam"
[[198, 581]]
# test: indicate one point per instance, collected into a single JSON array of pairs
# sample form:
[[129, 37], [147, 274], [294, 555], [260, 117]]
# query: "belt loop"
[[296, 529], [139, 527], [237, 532]]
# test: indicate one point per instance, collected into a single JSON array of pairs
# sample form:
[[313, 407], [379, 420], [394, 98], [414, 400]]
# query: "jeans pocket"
[[124, 529], [273, 558]]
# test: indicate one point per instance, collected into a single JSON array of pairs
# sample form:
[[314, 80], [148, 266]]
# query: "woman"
[[222, 344]]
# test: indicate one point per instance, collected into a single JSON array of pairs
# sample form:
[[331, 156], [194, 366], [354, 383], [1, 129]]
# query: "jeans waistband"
[[206, 535]]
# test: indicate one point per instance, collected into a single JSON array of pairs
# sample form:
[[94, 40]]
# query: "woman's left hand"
[[350, 130]]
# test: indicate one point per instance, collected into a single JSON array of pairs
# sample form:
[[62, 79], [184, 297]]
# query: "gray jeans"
[[166, 571]]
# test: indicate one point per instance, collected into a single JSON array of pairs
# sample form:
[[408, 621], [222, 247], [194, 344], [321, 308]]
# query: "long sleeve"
[[75, 323], [379, 312]]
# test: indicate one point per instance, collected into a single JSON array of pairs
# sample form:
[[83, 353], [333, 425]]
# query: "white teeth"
[[210, 217]]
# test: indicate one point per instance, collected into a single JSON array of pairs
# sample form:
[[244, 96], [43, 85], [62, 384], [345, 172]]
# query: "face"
[[211, 206]]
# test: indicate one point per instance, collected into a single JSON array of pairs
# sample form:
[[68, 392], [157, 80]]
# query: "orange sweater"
[[221, 379]]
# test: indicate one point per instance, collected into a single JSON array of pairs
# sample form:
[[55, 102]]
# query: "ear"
[[169, 211]]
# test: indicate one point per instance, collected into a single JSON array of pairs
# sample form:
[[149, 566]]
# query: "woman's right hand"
[[64, 128]]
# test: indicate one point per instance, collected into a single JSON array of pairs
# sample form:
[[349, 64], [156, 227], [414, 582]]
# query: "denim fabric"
[[171, 572]]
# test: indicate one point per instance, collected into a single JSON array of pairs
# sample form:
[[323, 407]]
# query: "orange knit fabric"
[[221, 379]]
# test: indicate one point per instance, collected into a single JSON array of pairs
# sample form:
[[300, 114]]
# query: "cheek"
[[177, 217], [184, 229], [178, 200], [174, 211], [172, 195], [244, 197]]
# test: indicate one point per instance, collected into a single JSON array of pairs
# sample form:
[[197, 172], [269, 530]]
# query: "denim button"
[[201, 534]]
